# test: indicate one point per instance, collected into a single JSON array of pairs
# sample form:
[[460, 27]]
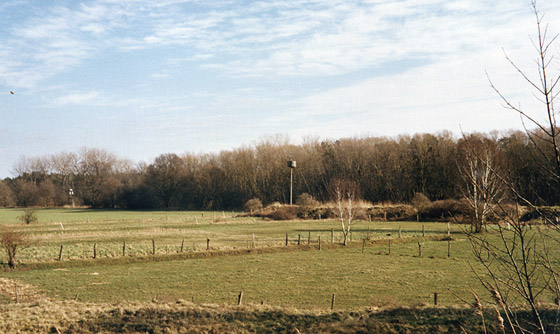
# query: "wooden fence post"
[[435, 298], [207, 244], [389, 246], [298, 239], [286, 239], [123, 248], [332, 302], [60, 254], [363, 245], [332, 235], [309, 238], [448, 229], [95, 250], [182, 245], [240, 299], [319, 242], [448, 248], [153, 247], [423, 231], [400, 232], [419, 250]]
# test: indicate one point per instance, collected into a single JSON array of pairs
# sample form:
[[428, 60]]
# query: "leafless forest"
[[385, 169]]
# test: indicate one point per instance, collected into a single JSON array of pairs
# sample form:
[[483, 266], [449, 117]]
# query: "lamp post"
[[291, 165]]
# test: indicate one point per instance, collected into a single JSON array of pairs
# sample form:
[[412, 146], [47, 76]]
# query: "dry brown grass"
[[35, 313], [179, 316]]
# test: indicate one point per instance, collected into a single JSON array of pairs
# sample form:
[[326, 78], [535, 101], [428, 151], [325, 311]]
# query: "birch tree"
[[345, 195]]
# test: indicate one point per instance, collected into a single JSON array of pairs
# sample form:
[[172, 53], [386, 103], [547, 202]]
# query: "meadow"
[[209, 258]]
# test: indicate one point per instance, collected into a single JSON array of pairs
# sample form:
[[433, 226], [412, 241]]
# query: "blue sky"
[[145, 77]]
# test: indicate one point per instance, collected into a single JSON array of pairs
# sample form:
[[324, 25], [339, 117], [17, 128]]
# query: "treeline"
[[385, 169]]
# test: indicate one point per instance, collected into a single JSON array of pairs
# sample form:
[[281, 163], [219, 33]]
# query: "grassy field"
[[361, 276], [79, 230]]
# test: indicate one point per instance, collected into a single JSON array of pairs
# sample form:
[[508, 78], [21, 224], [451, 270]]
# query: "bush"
[[28, 216], [306, 206], [391, 213], [420, 202], [11, 241], [444, 209], [253, 205], [550, 213], [307, 200], [284, 213]]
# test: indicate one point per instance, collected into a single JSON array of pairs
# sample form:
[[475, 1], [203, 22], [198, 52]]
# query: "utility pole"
[[291, 164]]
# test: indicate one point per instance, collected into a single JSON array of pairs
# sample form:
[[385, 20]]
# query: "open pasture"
[[80, 231], [380, 268]]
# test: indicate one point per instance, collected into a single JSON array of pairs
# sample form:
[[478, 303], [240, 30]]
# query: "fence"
[[121, 247]]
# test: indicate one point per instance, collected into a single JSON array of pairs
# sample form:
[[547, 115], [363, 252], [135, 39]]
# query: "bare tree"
[[345, 194], [479, 164], [544, 134], [93, 169], [6, 195], [12, 241], [64, 166], [165, 176], [519, 264]]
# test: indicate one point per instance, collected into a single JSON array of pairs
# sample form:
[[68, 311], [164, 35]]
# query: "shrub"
[[28, 216], [391, 213], [11, 241], [550, 213], [420, 202], [307, 200], [306, 205], [444, 209], [284, 213], [253, 205]]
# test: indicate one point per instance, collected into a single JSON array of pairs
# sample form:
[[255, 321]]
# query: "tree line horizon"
[[385, 169]]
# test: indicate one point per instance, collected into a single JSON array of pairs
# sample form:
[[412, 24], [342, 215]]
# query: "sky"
[[140, 78]]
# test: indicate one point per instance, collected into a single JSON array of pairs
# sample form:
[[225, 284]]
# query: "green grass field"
[[362, 275], [302, 279], [79, 230]]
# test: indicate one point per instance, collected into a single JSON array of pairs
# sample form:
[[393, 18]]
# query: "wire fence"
[[173, 244]]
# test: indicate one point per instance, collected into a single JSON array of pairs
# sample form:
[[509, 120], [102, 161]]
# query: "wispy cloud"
[[216, 74], [260, 38], [88, 98]]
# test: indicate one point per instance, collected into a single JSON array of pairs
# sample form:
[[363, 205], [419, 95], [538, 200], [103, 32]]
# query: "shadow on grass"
[[387, 231], [228, 319]]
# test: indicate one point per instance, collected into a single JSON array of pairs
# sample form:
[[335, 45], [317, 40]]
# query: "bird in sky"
[[11, 92]]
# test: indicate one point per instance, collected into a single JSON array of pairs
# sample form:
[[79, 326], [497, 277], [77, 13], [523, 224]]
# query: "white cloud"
[[210, 73], [311, 38], [77, 99]]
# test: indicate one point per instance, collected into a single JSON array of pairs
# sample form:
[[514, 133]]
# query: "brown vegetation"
[[386, 170], [50, 316], [12, 241]]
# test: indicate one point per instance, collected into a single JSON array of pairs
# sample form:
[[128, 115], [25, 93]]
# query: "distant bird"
[[11, 92]]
